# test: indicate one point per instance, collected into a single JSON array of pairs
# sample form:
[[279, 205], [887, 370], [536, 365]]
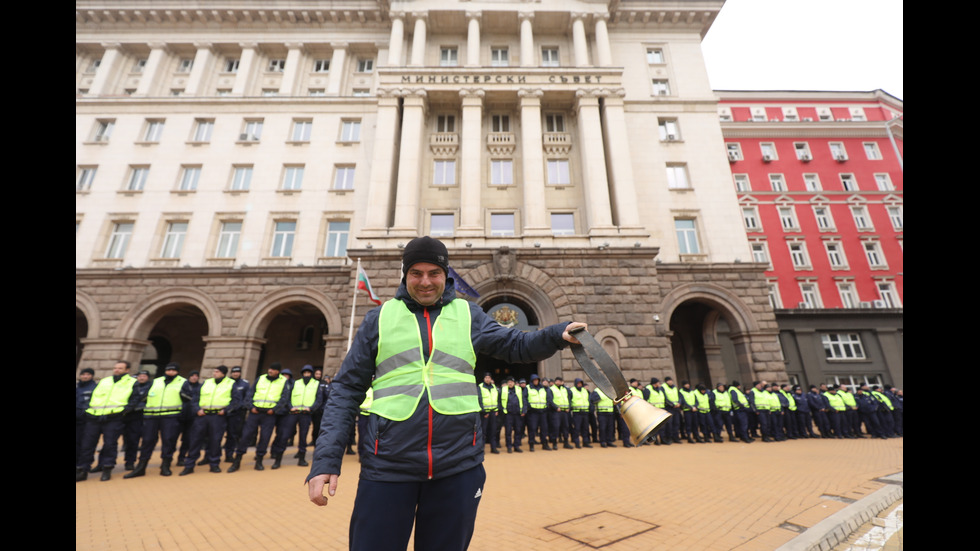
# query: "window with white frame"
[[759, 114], [777, 182], [203, 129], [857, 114], [799, 256], [119, 239], [848, 296], [549, 57], [283, 233], [896, 216], [302, 130], [501, 172], [871, 151], [276, 65], [751, 218], [842, 346], [137, 178], [499, 123], [824, 114], [321, 66], [499, 57], [361, 93], [231, 65], [802, 150], [338, 233], [445, 123], [185, 65], [760, 253], [687, 236], [848, 182], [558, 174], [228, 236], [861, 219], [292, 178], [661, 87], [822, 215], [886, 290], [270, 92], [787, 218], [103, 130], [85, 176], [811, 182], [774, 299], [154, 128], [884, 182], [365, 65], [344, 177], [318, 92], [252, 131], [448, 56], [173, 239], [835, 254], [350, 130], [655, 56], [442, 225], [837, 151], [734, 151], [190, 176], [872, 251], [725, 114], [811, 295], [444, 172], [790, 114], [677, 177], [554, 122], [742, 182], [768, 151], [502, 224], [241, 178], [669, 131], [562, 223]]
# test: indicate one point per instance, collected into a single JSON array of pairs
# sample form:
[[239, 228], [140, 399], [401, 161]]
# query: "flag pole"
[[350, 332]]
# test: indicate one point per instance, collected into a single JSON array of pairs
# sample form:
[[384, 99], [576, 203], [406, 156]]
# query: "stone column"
[[602, 40], [290, 75], [152, 69], [535, 213], [397, 40], [102, 353], [418, 40], [336, 68], [110, 58], [620, 162], [581, 46], [471, 164], [245, 64], [593, 163], [232, 351], [473, 39], [528, 58], [409, 165], [380, 190], [201, 67]]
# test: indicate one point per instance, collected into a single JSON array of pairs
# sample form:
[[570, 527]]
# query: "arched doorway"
[[177, 336], [701, 346], [513, 312], [294, 337]]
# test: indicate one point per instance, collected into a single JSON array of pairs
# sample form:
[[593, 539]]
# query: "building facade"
[[820, 182], [235, 162]]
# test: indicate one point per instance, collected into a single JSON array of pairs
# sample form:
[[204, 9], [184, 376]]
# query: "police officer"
[[672, 403], [268, 397], [705, 420], [190, 393], [868, 412], [835, 412], [819, 406], [655, 395], [324, 394], [537, 413], [489, 399], [850, 423], [558, 403], [721, 411], [83, 393], [741, 410], [304, 399], [898, 408], [789, 412], [210, 409], [161, 420], [110, 399], [604, 406], [133, 421], [236, 413], [513, 407], [885, 417], [580, 414], [759, 404], [689, 407], [804, 417]]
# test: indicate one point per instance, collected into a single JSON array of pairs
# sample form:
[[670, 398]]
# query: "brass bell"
[[643, 418]]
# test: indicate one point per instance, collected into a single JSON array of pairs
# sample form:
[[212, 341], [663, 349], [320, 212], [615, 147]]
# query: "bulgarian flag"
[[364, 284]]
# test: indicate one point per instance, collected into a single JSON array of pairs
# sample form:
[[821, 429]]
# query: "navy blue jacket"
[[817, 401], [83, 393], [802, 404], [399, 451], [866, 403]]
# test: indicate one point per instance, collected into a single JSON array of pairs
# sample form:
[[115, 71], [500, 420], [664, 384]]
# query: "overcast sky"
[[850, 45]]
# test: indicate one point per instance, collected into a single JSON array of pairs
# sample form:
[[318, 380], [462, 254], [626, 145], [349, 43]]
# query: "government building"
[[237, 160]]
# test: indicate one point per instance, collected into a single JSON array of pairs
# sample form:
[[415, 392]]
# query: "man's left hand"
[[571, 327]]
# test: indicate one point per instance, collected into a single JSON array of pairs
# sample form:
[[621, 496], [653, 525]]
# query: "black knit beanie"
[[425, 249]]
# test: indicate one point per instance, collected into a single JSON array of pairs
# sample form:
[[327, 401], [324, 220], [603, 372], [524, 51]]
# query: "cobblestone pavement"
[[731, 496]]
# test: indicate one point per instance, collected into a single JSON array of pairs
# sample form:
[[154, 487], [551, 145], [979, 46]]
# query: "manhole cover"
[[600, 529]]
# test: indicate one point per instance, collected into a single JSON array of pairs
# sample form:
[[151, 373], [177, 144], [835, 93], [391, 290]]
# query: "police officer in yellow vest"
[[161, 420], [513, 408], [112, 398], [423, 462], [211, 421], [836, 411], [656, 396], [269, 399], [304, 400], [721, 411], [559, 421], [605, 411], [580, 414], [489, 398]]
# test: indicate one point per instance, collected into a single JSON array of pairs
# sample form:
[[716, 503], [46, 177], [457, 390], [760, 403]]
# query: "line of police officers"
[[200, 414]]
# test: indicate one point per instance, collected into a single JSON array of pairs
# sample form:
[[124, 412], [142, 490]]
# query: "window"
[[441, 225], [549, 57], [774, 299], [94, 66], [848, 298], [153, 130], [802, 151], [502, 225], [835, 254], [499, 57], [103, 130], [317, 92], [734, 151], [202, 130], [175, 92], [448, 57], [446, 123], [137, 178], [139, 65], [228, 238], [562, 223], [282, 238], [768, 151], [301, 130], [824, 221], [241, 178], [669, 131], [344, 178], [848, 182], [119, 239], [751, 218], [787, 218], [444, 172], [886, 290], [857, 114], [321, 66], [276, 65], [799, 256], [897, 217], [687, 236], [252, 132], [173, 240], [824, 114], [500, 123], [85, 177], [873, 253], [223, 92], [269, 92], [760, 253], [842, 346], [759, 114], [811, 182], [661, 87], [872, 152], [777, 182], [655, 56], [677, 177], [861, 219], [361, 92], [837, 151], [231, 65], [558, 172], [185, 65], [790, 114], [501, 172], [189, 178], [884, 182], [292, 178], [810, 294], [337, 235], [350, 131], [554, 122], [742, 182], [365, 65]]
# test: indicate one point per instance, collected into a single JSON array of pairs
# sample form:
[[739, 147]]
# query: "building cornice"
[[835, 129], [98, 14]]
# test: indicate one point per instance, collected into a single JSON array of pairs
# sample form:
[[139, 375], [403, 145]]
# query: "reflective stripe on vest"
[[163, 398], [836, 401], [671, 394], [111, 397], [268, 392], [216, 395], [690, 400], [537, 398], [580, 399], [883, 399], [789, 399], [401, 376], [559, 395], [605, 403], [774, 403], [489, 396], [742, 400], [304, 395], [723, 401], [504, 395], [368, 399], [656, 397], [760, 399]]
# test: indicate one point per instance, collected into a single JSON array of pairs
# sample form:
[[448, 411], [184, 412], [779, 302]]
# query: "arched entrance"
[[294, 337], [513, 312], [177, 336]]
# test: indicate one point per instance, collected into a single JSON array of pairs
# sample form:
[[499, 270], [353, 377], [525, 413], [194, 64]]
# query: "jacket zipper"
[[428, 327]]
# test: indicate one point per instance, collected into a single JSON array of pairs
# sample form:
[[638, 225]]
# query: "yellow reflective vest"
[[723, 401], [268, 392], [304, 394], [216, 395], [605, 403], [505, 393], [111, 396], [490, 396], [656, 397], [580, 399], [163, 398]]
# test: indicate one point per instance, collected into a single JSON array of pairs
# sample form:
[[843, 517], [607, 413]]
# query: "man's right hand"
[[316, 488]]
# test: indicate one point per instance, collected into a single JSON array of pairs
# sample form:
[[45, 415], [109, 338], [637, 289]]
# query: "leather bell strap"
[[607, 376]]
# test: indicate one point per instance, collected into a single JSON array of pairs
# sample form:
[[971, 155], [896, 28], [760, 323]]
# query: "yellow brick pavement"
[[729, 496]]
